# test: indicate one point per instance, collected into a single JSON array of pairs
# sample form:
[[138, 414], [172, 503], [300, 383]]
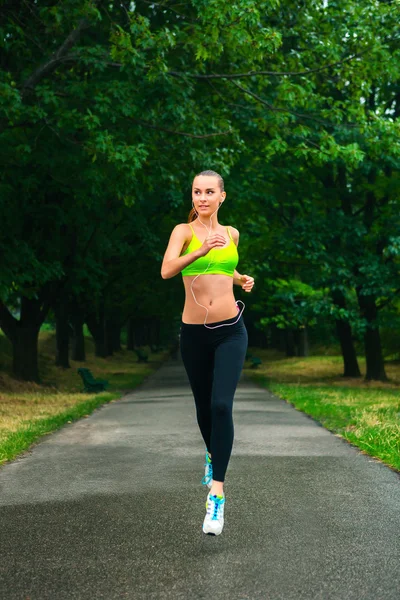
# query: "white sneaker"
[[208, 472], [214, 519]]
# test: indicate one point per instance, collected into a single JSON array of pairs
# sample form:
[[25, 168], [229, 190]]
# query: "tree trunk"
[[147, 338], [278, 338], [373, 355], [138, 329], [350, 362], [112, 334], [258, 335], [372, 338], [344, 333], [62, 333], [114, 331], [303, 343], [290, 343], [116, 337], [108, 336], [24, 335], [25, 353], [130, 334], [78, 339], [96, 328], [153, 332]]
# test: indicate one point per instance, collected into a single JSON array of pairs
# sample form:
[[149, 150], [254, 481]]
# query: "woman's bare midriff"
[[213, 291]]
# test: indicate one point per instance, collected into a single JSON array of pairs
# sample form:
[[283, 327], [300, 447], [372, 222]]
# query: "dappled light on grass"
[[317, 370], [366, 413]]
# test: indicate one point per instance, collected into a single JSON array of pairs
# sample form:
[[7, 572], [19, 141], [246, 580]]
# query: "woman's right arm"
[[173, 263]]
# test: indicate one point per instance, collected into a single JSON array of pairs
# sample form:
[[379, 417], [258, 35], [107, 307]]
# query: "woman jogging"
[[213, 339]]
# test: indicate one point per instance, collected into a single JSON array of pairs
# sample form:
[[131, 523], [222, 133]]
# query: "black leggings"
[[213, 359]]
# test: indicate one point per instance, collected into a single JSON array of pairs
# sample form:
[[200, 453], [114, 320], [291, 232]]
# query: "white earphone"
[[193, 280]]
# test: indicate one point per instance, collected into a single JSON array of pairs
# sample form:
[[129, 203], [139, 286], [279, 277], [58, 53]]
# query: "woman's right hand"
[[216, 240]]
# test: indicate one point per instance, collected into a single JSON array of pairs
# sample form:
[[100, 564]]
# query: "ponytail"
[[192, 216]]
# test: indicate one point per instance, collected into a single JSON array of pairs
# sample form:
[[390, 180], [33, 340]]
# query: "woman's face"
[[206, 194]]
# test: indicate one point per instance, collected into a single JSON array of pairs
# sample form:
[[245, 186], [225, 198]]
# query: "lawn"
[[367, 414], [30, 410]]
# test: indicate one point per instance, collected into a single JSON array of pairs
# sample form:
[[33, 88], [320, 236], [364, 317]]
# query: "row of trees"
[[329, 237], [107, 110]]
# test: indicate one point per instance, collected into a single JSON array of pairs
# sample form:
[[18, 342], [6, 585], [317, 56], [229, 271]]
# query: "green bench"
[[141, 355], [255, 362], [91, 384]]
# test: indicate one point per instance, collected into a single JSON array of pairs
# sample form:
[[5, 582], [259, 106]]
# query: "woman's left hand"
[[247, 286]]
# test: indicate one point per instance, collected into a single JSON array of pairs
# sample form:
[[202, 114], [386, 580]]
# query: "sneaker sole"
[[212, 532]]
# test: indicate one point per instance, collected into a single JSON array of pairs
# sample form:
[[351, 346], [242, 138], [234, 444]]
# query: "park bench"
[[91, 384], [255, 362], [141, 355]]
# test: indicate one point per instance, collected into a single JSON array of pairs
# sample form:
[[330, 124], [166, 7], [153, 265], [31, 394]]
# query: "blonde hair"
[[193, 215]]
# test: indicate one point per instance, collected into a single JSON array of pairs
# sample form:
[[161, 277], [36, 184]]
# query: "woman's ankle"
[[217, 488]]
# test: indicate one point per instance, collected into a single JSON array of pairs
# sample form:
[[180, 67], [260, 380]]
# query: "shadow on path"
[[112, 507]]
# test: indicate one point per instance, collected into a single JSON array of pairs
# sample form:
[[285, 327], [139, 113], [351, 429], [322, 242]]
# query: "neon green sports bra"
[[223, 260]]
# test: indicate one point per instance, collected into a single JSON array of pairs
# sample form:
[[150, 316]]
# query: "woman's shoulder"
[[183, 228], [234, 233], [183, 232], [181, 225]]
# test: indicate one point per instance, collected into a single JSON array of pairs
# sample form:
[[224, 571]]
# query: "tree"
[[91, 100]]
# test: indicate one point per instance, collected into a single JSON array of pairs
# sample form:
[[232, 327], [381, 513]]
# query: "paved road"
[[112, 507]]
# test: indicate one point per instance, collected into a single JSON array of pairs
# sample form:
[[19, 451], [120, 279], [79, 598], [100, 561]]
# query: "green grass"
[[16, 442], [29, 410], [366, 414]]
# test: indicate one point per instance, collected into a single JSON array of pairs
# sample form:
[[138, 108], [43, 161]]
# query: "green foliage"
[[100, 137], [292, 303]]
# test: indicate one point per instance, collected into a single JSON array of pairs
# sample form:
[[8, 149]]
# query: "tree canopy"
[[107, 110]]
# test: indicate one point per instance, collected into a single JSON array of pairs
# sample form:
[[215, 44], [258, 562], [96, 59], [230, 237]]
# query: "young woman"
[[213, 339]]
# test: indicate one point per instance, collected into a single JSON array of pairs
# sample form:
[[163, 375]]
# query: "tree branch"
[[55, 59], [358, 211], [191, 135], [274, 108], [253, 73], [388, 300]]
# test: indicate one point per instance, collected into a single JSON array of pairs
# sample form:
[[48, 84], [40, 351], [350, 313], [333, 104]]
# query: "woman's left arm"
[[245, 281]]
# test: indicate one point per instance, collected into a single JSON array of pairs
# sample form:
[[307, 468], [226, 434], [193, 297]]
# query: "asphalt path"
[[112, 507]]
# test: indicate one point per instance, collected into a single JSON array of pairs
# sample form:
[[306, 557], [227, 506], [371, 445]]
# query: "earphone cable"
[[193, 280]]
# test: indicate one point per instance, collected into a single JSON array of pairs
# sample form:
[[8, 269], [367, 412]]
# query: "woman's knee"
[[222, 407]]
